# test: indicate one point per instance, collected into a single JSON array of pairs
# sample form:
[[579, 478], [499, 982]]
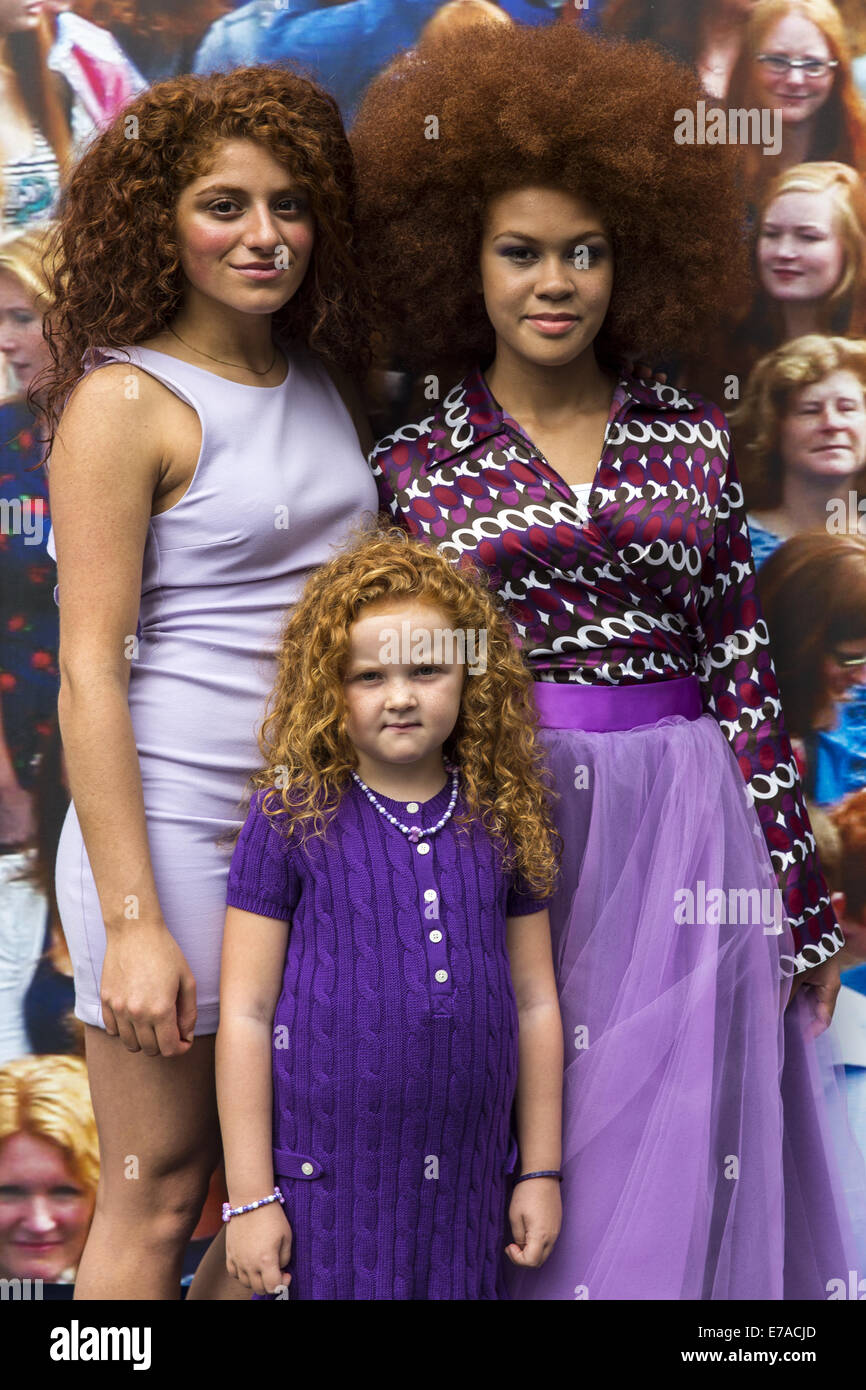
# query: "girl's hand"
[[259, 1247], [147, 990], [535, 1214]]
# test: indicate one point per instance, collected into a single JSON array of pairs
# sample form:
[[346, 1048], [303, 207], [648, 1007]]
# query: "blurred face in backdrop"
[[18, 15], [844, 668], [801, 254], [45, 1209], [245, 230], [546, 273], [823, 431], [21, 341], [799, 92]]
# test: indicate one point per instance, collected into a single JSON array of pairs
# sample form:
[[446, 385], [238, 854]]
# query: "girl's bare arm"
[[539, 1084], [535, 1210], [253, 957]]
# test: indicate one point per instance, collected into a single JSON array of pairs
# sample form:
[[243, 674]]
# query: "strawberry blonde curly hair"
[[552, 106], [303, 741], [116, 276]]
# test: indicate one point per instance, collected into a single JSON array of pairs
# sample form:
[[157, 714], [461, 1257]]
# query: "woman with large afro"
[[531, 225]]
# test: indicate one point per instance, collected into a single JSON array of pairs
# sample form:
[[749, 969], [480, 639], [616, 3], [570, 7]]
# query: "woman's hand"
[[535, 1215], [824, 982], [644, 371], [259, 1247], [147, 990]]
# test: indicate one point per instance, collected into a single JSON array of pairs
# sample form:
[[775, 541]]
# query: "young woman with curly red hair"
[[822, 115], [202, 465], [530, 221]]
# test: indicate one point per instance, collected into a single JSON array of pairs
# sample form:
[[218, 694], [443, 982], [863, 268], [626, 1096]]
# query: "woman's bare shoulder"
[[116, 405]]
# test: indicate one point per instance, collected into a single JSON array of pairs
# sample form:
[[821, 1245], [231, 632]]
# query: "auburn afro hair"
[[552, 106]]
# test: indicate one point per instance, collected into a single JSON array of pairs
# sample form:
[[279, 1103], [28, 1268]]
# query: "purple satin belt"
[[605, 708]]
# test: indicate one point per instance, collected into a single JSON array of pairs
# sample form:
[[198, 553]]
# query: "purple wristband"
[[547, 1173]]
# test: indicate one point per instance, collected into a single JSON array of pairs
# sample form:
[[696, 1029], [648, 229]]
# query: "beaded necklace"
[[414, 832]]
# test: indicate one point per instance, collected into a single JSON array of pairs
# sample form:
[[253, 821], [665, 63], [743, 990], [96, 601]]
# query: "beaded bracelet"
[[229, 1212], [548, 1173]]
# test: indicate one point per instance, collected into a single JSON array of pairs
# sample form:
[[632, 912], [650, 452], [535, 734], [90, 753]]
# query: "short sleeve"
[[520, 902], [263, 876]]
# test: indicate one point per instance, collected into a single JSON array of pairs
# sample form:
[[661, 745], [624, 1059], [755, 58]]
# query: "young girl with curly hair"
[[385, 936], [529, 218], [207, 299]]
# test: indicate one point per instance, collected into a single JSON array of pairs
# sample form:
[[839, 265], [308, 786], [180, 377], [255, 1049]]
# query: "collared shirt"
[[657, 583]]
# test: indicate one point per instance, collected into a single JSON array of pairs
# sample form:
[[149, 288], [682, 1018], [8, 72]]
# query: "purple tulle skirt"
[[697, 1157]]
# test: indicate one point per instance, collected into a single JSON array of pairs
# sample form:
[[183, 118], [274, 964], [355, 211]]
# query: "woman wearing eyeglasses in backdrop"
[[795, 58]]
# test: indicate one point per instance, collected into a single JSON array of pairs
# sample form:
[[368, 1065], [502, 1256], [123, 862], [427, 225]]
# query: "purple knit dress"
[[395, 1047]]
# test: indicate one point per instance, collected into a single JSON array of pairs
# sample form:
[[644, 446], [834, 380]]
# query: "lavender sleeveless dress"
[[279, 480]]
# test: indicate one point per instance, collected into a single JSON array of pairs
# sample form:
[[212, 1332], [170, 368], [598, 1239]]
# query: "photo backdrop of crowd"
[[785, 80]]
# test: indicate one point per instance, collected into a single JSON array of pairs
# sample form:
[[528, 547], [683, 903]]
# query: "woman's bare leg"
[[159, 1143]]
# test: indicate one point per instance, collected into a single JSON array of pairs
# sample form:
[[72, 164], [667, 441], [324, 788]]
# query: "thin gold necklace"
[[240, 366]]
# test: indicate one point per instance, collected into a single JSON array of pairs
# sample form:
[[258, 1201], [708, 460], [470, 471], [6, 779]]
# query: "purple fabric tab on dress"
[[604, 708]]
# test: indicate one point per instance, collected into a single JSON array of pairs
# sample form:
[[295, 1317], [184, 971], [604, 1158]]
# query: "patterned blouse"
[[657, 583]]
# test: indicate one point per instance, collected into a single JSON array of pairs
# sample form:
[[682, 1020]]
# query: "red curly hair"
[[553, 106], [116, 276]]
